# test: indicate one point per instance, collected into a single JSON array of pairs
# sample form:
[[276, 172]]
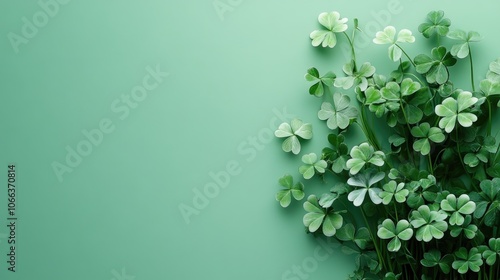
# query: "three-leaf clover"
[[292, 131], [429, 223], [457, 207], [433, 258], [469, 230], [338, 154], [358, 78], [333, 24], [363, 154], [491, 254], [427, 134], [435, 68], [462, 49], [388, 37], [364, 181], [317, 216], [312, 164], [318, 88], [488, 201], [285, 196], [467, 260], [401, 231], [452, 110], [436, 24], [394, 190], [340, 113]]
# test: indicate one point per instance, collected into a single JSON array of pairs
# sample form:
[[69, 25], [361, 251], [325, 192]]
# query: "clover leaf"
[[457, 207], [467, 260], [430, 223], [401, 231], [462, 49], [338, 154], [491, 254], [317, 216], [340, 113], [387, 36], [488, 201], [433, 258], [285, 196], [359, 78], [469, 230], [435, 68], [363, 154], [312, 164], [333, 24], [427, 134], [480, 150], [452, 110], [493, 73], [364, 181], [436, 24], [318, 88], [394, 190], [292, 131]]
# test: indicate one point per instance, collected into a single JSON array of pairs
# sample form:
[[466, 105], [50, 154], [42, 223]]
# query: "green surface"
[[115, 213]]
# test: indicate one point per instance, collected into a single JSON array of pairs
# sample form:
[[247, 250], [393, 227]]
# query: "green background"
[[116, 215]]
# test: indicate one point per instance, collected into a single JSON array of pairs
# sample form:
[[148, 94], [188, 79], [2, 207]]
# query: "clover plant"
[[417, 196]]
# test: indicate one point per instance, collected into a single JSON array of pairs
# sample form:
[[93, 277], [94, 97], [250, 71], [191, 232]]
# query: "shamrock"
[[394, 190], [361, 237], [340, 113], [488, 201], [292, 132], [462, 50], [435, 68], [452, 110], [427, 134], [436, 24], [312, 164], [398, 232], [457, 207], [430, 223], [433, 258], [387, 37], [480, 151], [362, 154], [490, 254], [334, 24], [318, 88], [467, 260], [467, 228], [285, 196], [489, 87], [338, 154], [317, 216], [493, 73], [404, 95], [358, 78], [365, 181]]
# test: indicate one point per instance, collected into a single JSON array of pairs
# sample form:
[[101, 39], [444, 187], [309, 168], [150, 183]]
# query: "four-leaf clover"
[[430, 223], [467, 260], [458, 207], [436, 24], [333, 24], [388, 37], [285, 196], [358, 78], [292, 132], [452, 110], [340, 113]]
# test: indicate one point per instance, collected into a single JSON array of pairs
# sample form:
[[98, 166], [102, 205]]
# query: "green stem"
[[353, 53], [407, 56], [431, 168], [380, 259], [488, 129], [471, 69], [460, 153]]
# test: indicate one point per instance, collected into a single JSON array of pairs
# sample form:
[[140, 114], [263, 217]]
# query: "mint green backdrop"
[[117, 114]]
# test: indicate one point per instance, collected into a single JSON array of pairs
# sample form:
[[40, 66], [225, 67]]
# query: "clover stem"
[[491, 272], [367, 131], [407, 56], [353, 53], [414, 76], [488, 129], [471, 69], [396, 211], [411, 265], [380, 259], [431, 168], [460, 153]]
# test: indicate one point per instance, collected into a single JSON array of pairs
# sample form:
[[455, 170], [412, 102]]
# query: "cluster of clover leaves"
[[427, 197]]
